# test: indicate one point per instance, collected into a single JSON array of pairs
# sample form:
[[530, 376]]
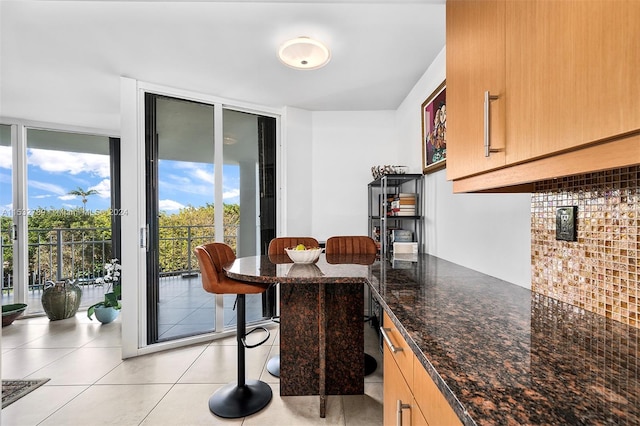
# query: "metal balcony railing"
[[80, 253]]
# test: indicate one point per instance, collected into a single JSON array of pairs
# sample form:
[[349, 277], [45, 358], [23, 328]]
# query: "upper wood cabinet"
[[475, 65], [569, 73], [572, 74]]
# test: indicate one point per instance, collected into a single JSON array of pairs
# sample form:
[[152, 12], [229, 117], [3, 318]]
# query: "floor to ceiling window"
[[58, 224], [6, 216]]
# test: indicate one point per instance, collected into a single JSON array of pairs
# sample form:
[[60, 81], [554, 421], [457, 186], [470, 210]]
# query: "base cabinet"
[[410, 395], [400, 407]]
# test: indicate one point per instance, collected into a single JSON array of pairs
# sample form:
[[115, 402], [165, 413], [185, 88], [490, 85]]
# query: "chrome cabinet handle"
[[392, 348], [399, 409], [488, 97]]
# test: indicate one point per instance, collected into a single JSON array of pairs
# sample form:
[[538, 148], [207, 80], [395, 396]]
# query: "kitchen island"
[[321, 333], [501, 354]]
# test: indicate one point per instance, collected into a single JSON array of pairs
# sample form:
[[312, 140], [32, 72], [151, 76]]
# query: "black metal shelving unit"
[[382, 221]]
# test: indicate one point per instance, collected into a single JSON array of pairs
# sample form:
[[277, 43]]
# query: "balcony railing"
[[80, 253]]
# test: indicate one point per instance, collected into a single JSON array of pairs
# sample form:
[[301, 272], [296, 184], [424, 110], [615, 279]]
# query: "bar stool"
[[276, 247], [245, 397], [354, 245]]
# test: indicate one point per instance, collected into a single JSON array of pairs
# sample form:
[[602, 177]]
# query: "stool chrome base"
[[233, 401], [273, 366]]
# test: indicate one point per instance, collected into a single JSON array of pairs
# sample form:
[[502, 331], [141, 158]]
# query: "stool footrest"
[[244, 338]]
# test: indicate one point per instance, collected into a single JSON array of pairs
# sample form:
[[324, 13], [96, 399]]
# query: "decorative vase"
[[106, 314], [61, 300]]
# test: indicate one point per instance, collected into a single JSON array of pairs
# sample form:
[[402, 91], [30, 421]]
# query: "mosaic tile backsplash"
[[598, 272]]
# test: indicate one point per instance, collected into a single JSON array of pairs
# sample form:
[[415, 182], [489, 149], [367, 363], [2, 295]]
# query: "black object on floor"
[[370, 364]]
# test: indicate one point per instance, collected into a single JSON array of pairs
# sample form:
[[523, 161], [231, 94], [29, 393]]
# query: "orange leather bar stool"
[[358, 244], [276, 247], [245, 397], [354, 245]]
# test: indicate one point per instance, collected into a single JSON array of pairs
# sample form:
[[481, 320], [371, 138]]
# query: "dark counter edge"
[[451, 398]]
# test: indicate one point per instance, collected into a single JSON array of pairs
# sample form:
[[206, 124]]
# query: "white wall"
[[328, 156], [345, 146], [490, 233], [295, 174]]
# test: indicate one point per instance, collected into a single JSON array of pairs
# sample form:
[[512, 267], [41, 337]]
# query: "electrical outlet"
[[566, 223]]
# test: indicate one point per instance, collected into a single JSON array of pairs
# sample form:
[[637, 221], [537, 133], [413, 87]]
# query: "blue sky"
[[52, 174]]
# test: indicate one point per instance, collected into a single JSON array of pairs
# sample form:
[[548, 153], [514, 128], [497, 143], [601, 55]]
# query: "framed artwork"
[[434, 130]]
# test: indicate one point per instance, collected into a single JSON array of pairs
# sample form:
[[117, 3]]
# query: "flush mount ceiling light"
[[304, 53], [229, 140]]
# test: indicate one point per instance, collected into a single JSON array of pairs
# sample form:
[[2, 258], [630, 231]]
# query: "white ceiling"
[[60, 61]]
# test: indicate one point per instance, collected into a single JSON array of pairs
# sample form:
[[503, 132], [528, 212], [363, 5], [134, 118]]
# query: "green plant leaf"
[[92, 309], [117, 290], [111, 300]]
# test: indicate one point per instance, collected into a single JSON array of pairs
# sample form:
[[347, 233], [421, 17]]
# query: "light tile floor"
[[90, 383]]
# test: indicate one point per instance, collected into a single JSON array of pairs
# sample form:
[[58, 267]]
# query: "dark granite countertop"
[[504, 355], [499, 353]]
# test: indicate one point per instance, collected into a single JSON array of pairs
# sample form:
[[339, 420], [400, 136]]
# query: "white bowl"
[[302, 270], [303, 256]]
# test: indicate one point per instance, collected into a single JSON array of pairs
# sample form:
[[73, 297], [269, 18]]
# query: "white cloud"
[[49, 187], [231, 194], [63, 197], [197, 171], [69, 162], [171, 187], [5, 157], [170, 205], [180, 179], [103, 188], [203, 175]]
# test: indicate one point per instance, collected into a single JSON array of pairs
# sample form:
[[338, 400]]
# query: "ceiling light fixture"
[[304, 53]]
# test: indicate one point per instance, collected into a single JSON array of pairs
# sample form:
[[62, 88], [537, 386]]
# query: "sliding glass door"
[[185, 208]]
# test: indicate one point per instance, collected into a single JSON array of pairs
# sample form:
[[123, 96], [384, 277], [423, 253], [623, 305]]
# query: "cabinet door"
[[433, 405], [396, 390], [571, 74], [475, 64]]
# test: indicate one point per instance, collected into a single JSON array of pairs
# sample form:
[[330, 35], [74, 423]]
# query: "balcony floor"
[[184, 308]]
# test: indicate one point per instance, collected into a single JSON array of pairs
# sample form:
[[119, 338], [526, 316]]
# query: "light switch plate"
[[566, 223]]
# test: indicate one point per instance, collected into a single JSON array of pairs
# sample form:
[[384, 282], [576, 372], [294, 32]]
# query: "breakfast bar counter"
[[321, 320], [502, 355]]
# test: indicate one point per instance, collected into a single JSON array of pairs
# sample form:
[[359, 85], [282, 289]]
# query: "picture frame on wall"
[[434, 130]]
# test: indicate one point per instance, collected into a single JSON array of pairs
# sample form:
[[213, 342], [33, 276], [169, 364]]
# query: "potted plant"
[[107, 310]]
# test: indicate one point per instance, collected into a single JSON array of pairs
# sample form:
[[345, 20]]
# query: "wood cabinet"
[[432, 403], [475, 65], [564, 74], [400, 407], [411, 397]]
